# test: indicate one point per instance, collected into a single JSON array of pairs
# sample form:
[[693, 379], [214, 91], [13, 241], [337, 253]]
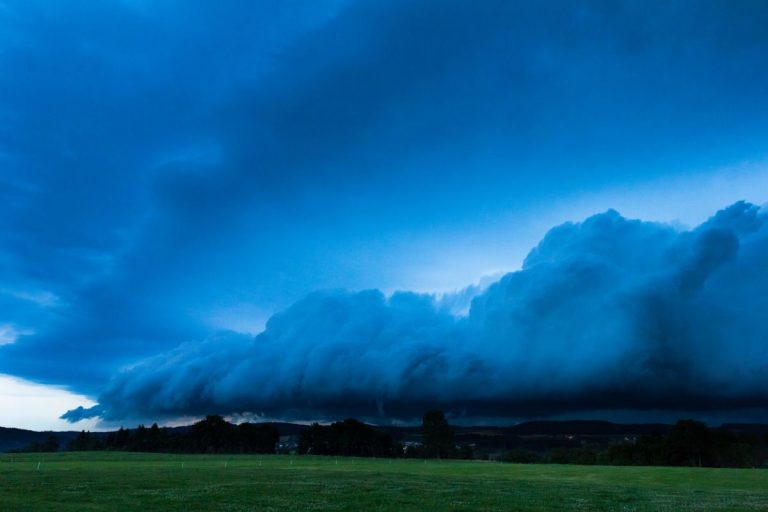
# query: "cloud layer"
[[165, 166], [608, 313]]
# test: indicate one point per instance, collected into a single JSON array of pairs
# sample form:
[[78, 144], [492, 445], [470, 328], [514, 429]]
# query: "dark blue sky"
[[172, 170]]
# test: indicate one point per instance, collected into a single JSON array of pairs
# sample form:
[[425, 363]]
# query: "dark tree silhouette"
[[255, 438], [348, 437], [51, 444], [212, 435], [85, 441], [690, 443], [437, 435]]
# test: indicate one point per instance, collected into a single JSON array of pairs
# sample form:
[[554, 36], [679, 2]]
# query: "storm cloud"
[[608, 313], [166, 166]]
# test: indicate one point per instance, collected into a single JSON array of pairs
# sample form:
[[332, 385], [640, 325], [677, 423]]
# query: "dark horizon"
[[529, 427], [369, 209]]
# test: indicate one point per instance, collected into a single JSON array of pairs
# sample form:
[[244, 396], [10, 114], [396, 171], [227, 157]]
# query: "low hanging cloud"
[[190, 123], [606, 314]]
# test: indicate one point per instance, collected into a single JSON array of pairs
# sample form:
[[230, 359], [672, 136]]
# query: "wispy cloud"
[[9, 334]]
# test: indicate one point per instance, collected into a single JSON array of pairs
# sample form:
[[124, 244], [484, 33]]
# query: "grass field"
[[133, 481]]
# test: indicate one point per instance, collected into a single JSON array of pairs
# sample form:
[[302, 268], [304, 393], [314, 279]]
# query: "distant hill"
[[489, 437], [16, 438], [587, 428], [539, 436], [548, 428], [12, 439], [756, 429]]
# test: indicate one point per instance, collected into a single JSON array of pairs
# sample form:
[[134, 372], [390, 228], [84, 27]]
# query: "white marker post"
[[38, 465]]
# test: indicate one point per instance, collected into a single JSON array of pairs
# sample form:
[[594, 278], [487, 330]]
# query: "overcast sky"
[[174, 173]]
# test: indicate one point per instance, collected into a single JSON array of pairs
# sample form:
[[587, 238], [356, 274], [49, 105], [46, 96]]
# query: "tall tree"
[[437, 435], [690, 443]]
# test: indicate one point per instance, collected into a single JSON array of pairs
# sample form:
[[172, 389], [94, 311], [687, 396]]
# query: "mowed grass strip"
[[135, 481]]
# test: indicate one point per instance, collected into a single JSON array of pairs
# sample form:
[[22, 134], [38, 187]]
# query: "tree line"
[[354, 438], [210, 435], [215, 435], [349, 437], [689, 443]]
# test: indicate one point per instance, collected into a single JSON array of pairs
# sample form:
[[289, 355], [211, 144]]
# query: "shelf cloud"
[[608, 313]]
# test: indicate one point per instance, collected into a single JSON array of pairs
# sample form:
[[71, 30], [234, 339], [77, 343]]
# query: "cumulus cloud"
[[608, 313]]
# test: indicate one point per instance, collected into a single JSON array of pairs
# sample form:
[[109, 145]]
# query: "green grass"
[[135, 481]]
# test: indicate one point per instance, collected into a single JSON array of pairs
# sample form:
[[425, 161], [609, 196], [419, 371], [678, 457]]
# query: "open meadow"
[[136, 481]]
